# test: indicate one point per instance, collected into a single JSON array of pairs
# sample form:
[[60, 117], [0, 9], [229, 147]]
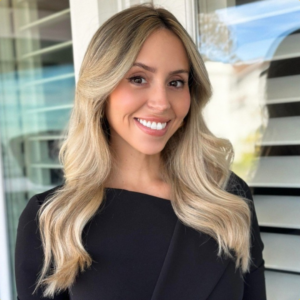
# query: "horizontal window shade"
[[45, 137], [23, 184], [48, 109], [281, 251], [49, 20], [282, 286], [46, 165], [38, 83], [283, 89], [282, 131], [289, 49], [47, 50], [47, 90], [277, 171], [278, 211], [261, 79], [51, 79]]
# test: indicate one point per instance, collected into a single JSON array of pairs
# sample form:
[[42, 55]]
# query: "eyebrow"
[[153, 70]]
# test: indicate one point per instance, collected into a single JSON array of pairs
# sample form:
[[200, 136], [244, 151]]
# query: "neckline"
[[138, 193]]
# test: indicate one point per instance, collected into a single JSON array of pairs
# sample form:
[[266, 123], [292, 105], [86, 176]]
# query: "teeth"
[[153, 125]]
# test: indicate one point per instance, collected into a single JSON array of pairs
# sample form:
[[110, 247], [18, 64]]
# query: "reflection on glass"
[[37, 90], [238, 43], [246, 33], [252, 53]]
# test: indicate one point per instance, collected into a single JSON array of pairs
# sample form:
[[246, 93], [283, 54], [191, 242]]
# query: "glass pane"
[[251, 49], [37, 91], [252, 53]]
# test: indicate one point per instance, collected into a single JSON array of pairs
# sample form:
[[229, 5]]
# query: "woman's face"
[[154, 91]]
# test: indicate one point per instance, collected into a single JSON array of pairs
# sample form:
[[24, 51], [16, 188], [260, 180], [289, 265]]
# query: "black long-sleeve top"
[[141, 251]]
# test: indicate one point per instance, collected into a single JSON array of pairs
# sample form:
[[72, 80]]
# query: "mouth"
[[152, 128], [151, 124]]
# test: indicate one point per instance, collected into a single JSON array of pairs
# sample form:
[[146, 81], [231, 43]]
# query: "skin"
[[148, 94]]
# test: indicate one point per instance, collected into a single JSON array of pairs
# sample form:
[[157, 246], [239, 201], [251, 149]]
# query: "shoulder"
[[29, 255], [236, 185], [41, 197], [29, 213]]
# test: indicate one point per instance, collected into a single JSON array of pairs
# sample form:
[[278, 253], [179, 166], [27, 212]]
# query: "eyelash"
[[140, 77]]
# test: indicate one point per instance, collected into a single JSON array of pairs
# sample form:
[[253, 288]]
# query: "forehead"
[[163, 47]]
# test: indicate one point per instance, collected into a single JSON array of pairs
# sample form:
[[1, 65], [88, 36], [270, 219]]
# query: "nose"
[[158, 99]]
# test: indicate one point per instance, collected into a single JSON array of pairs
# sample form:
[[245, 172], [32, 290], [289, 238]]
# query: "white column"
[[184, 11], [85, 20]]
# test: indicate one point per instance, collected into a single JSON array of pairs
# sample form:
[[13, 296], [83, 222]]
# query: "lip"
[[150, 131], [153, 119]]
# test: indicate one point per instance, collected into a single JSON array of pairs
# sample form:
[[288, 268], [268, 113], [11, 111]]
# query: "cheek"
[[123, 102], [183, 105]]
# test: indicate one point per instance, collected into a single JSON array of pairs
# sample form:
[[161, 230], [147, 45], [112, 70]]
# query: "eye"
[[136, 79], [181, 83]]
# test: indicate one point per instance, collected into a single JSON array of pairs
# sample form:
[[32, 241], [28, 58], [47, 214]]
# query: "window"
[[252, 53], [37, 91]]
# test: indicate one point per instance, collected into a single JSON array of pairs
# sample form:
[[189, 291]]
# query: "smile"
[[153, 125], [152, 128]]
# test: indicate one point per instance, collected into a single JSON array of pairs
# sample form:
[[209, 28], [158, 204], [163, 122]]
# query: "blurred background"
[[252, 53]]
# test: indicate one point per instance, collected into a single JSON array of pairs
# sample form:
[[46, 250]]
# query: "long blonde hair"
[[196, 163]]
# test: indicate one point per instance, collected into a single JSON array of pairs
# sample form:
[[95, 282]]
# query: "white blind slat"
[[281, 251], [49, 108], [47, 50], [47, 137], [47, 80], [282, 286], [47, 21], [290, 47], [282, 131], [276, 171], [45, 165], [278, 211], [283, 88]]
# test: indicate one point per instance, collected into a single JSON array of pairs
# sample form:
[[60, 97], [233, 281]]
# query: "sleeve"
[[29, 255], [254, 280]]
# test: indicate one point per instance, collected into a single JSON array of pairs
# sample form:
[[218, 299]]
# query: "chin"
[[150, 150]]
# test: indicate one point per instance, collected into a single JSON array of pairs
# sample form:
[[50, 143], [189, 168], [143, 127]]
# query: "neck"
[[133, 169]]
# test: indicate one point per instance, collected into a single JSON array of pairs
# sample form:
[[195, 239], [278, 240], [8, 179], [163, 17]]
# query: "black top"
[[138, 245]]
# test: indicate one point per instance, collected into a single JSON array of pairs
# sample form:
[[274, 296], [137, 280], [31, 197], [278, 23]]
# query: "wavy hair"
[[196, 163]]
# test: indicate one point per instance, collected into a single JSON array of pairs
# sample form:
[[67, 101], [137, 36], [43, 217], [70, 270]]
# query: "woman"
[[149, 208]]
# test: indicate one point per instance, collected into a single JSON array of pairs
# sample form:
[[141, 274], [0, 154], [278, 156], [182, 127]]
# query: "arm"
[[29, 255]]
